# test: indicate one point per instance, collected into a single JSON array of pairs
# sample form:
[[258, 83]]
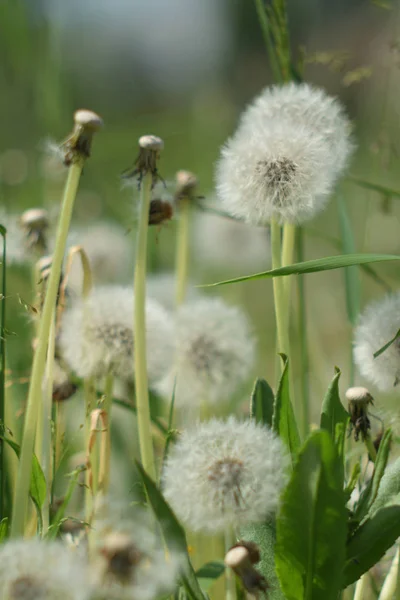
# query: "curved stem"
[[139, 328], [182, 250], [39, 359]]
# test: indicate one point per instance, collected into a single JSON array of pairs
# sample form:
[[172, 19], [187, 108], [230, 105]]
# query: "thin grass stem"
[[279, 300], [139, 327], [2, 373], [39, 360], [265, 28], [303, 339]]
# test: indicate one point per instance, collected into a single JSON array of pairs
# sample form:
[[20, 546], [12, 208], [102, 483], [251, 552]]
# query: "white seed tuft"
[[88, 119], [35, 218], [214, 353], [358, 394], [151, 142], [224, 474], [96, 335], [378, 324]]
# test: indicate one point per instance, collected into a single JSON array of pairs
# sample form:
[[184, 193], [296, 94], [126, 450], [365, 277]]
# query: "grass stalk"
[[302, 332], [89, 391], [265, 28], [391, 584], [39, 359], [107, 405], [2, 373], [288, 247], [46, 453], [277, 283], [182, 250], [139, 327]]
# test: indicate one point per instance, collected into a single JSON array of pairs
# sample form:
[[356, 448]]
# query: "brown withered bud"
[[64, 391], [186, 184], [160, 211], [241, 559], [359, 399], [121, 555], [78, 144], [150, 147], [35, 223]]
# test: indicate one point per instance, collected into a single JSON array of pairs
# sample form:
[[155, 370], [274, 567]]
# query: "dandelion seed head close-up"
[[96, 335], [378, 324], [214, 477], [215, 351]]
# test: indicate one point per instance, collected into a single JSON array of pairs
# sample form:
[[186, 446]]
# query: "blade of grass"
[[2, 375], [377, 187]]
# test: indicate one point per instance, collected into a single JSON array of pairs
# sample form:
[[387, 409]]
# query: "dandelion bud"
[[359, 399], [186, 183], [35, 222], [150, 147], [239, 559], [78, 144]]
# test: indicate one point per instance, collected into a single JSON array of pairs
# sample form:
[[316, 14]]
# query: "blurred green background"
[[184, 70]]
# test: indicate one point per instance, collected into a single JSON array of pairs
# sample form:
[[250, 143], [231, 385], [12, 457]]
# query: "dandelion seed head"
[[96, 335], [38, 570], [214, 353], [224, 474], [377, 325]]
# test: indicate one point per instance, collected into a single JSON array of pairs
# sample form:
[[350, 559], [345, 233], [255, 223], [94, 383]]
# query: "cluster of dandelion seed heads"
[[225, 473], [214, 353], [284, 159], [38, 570], [97, 335], [377, 325]]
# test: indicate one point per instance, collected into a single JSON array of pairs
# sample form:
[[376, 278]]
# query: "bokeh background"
[[184, 70]]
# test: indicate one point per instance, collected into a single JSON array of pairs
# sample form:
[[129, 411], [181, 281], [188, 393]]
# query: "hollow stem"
[[303, 339], [229, 574], [288, 244], [279, 299], [107, 404], [39, 359], [182, 250], [139, 328]]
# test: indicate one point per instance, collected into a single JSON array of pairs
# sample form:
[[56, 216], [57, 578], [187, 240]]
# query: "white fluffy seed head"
[[38, 570], [378, 324], [96, 335], [224, 474], [282, 163], [214, 353]]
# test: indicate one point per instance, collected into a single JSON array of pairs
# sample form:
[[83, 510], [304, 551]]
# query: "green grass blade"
[[351, 274], [262, 403], [3, 295], [387, 345], [313, 266], [376, 187], [284, 420]]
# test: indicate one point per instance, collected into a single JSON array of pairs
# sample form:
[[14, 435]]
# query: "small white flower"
[[282, 164], [378, 324], [96, 335], [162, 287], [129, 561], [214, 353], [224, 474], [230, 245], [38, 570]]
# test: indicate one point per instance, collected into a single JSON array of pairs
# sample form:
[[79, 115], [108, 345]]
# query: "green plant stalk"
[[139, 328], [182, 250], [89, 391], [107, 405], [288, 245], [265, 28], [39, 359], [302, 329], [277, 283], [2, 375], [46, 451], [370, 447], [229, 574]]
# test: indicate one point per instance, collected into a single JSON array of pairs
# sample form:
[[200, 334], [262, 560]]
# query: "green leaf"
[[370, 542], [37, 489], [284, 422], [311, 524], [313, 266], [59, 516], [332, 411], [173, 532], [209, 573], [386, 346], [389, 487], [3, 529], [368, 496], [376, 187], [264, 535], [351, 274], [262, 403]]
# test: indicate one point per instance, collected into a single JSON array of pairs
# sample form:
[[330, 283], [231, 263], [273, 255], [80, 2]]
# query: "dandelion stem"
[[391, 583], [288, 244], [302, 329], [279, 300], [108, 391], [182, 250], [46, 453], [139, 328], [229, 574], [370, 447], [39, 360]]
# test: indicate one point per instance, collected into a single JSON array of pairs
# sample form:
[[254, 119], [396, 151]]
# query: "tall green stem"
[[288, 244], [139, 328], [229, 574], [39, 359], [303, 339], [107, 405], [279, 298], [182, 250], [266, 31], [46, 453], [2, 373]]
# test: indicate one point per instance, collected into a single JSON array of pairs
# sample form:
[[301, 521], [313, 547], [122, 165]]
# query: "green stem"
[[139, 328], [90, 402], [46, 453], [370, 447], [107, 404], [182, 250], [39, 359], [265, 28], [302, 329], [391, 583], [2, 375], [229, 574], [279, 300], [288, 244]]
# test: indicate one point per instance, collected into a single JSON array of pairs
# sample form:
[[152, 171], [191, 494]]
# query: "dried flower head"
[[241, 558], [96, 335], [230, 245], [150, 147], [78, 144], [129, 560], [35, 223], [279, 164], [214, 353], [38, 570], [160, 211], [377, 325], [186, 184], [223, 474], [63, 387], [359, 399]]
